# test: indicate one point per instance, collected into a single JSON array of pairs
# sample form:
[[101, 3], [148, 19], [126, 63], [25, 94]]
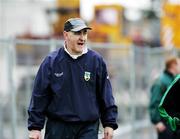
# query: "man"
[[157, 91], [72, 89], [169, 107]]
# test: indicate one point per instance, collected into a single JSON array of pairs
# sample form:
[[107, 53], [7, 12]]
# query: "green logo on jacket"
[[87, 76]]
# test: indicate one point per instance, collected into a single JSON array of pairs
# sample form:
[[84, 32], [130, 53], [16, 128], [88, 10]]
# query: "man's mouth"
[[80, 43]]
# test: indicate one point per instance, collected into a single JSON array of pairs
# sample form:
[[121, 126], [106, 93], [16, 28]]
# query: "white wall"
[[19, 17]]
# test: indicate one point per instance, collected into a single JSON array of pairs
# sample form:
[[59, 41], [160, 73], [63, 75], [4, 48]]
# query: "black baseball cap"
[[75, 24]]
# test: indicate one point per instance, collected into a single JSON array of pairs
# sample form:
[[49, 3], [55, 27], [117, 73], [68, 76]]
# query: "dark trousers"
[[177, 134], [167, 134], [71, 130]]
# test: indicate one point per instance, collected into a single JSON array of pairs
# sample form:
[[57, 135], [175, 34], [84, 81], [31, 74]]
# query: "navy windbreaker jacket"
[[73, 90]]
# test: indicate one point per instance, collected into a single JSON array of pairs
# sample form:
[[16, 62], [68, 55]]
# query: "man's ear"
[[65, 34]]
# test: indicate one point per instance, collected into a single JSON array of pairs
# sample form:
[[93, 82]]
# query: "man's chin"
[[80, 51]]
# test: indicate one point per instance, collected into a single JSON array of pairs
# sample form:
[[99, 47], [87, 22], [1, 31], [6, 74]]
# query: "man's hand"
[[108, 133], [35, 134], [160, 127]]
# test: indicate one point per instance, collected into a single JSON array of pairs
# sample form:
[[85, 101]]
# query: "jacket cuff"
[[34, 128], [113, 126]]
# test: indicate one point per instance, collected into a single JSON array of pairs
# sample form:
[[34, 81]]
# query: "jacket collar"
[[85, 50]]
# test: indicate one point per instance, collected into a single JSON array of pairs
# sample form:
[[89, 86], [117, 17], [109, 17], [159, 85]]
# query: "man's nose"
[[82, 36]]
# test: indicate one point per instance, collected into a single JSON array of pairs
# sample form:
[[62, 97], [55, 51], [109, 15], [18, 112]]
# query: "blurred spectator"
[[136, 35], [172, 68], [169, 106]]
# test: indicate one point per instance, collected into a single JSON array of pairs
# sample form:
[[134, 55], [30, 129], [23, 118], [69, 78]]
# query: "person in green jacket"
[[169, 106], [172, 68]]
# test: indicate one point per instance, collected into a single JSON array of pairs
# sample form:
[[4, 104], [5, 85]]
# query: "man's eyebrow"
[[81, 31]]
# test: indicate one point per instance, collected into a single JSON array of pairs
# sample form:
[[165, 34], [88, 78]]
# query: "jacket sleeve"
[[156, 93], [169, 105], [108, 108], [40, 97]]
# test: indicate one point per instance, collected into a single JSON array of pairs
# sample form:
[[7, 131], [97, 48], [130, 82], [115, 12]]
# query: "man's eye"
[[84, 32], [77, 33]]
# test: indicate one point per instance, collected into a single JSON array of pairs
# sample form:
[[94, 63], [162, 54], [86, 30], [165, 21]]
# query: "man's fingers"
[[107, 136]]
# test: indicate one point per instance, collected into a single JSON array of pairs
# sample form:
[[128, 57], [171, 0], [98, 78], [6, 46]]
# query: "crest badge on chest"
[[87, 76]]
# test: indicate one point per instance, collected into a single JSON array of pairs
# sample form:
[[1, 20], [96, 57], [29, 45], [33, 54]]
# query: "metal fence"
[[131, 69]]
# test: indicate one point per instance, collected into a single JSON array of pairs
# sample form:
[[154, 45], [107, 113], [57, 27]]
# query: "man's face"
[[178, 66], [175, 67], [75, 41]]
